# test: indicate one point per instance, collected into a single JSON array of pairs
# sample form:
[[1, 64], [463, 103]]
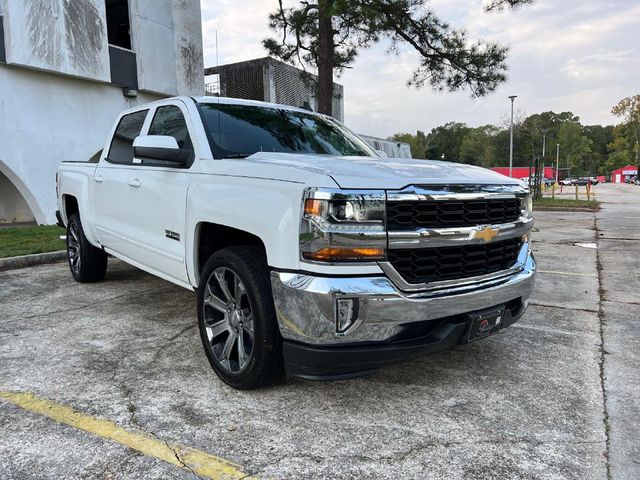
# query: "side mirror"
[[382, 154], [159, 147]]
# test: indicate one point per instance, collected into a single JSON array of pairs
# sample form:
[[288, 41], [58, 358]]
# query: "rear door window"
[[129, 127]]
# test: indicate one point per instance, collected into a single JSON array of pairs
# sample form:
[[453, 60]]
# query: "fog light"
[[346, 313]]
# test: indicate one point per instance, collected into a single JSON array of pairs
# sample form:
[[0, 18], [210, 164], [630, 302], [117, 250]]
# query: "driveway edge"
[[23, 261]]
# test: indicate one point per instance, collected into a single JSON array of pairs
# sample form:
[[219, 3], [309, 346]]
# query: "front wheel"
[[86, 262], [237, 318]]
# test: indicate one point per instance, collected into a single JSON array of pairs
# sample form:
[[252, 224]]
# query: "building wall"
[[270, 80], [167, 38], [524, 172], [63, 36], [58, 94], [69, 37], [47, 121], [622, 174], [391, 148], [13, 206]]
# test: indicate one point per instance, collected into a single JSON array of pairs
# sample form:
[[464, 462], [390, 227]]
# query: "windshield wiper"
[[238, 155]]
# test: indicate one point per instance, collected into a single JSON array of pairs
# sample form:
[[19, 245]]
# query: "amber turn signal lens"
[[345, 254], [313, 207]]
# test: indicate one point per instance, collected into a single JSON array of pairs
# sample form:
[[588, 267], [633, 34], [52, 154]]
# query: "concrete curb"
[[24, 261]]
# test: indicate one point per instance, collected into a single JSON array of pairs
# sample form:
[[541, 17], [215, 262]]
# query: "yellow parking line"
[[199, 462]]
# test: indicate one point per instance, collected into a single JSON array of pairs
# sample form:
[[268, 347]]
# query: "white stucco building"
[[67, 68]]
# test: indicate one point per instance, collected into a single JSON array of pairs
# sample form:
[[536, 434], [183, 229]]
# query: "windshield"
[[237, 131]]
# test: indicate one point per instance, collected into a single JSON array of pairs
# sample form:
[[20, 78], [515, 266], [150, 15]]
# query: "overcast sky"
[[575, 55]]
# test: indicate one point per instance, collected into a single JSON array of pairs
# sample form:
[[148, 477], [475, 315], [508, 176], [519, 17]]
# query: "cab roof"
[[252, 103]]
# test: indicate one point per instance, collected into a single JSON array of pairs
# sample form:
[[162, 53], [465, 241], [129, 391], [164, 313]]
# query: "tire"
[[86, 262], [237, 318]]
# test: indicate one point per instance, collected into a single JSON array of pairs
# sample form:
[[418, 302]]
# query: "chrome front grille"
[[408, 215], [439, 236], [425, 265]]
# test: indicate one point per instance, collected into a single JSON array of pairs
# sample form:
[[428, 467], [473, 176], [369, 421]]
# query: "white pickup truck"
[[309, 253]]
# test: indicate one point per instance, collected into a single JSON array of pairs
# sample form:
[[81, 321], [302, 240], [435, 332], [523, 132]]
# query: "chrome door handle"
[[135, 183], [98, 179]]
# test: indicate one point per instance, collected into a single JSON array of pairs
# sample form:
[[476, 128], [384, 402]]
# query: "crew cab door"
[[109, 189], [156, 198]]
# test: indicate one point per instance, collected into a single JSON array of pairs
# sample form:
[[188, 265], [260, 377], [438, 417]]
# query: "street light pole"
[[557, 160], [544, 148], [512, 97]]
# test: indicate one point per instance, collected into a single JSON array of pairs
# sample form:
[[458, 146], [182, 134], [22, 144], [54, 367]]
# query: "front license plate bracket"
[[484, 324]]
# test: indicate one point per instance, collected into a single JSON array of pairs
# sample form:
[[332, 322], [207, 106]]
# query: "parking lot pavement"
[[530, 402], [619, 259]]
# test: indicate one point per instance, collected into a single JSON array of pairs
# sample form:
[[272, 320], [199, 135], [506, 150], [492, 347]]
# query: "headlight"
[[344, 211], [526, 206], [343, 226]]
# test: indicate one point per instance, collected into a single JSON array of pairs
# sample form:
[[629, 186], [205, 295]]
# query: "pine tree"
[[328, 34]]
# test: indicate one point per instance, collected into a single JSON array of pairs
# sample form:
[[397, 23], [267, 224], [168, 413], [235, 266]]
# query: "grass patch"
[[27, 240], [565, 203]]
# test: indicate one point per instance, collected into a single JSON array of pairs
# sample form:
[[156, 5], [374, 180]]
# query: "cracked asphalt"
[[554, 396]]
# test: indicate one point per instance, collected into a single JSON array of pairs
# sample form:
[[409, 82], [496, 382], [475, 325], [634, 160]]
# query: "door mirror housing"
[[162, 148]]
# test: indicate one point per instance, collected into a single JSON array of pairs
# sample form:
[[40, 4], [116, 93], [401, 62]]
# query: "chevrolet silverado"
[[310, 254]]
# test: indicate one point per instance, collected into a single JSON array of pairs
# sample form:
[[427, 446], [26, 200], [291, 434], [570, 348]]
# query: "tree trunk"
[[325, 57]]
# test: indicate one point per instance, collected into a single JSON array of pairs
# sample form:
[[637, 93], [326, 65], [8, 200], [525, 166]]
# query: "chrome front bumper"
[[306, 305]]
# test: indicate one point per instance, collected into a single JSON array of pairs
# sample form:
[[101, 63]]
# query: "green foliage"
[[449, 59], [622, 148], [478, 148], [446, 141], [625, 146], [585, 149], [575, 147], [27, 240], [419, 143], [501, 4]]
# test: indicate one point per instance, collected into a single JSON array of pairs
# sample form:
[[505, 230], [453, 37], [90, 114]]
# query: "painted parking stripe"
[[201, 463]]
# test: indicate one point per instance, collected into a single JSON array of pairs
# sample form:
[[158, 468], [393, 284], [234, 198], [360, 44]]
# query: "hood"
[[384, 173]]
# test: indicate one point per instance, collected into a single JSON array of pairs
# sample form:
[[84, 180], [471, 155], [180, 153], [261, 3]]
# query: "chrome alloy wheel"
[[228, 320], [73, 248]]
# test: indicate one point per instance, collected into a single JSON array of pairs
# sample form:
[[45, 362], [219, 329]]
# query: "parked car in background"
[[531, 181], [309, 254], [581, 181]]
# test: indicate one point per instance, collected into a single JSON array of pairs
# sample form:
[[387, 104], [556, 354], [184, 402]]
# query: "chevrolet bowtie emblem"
[[487, 234]]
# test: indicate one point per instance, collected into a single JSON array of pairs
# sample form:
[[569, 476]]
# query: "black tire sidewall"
[[93, 261], [74, 221], [266, 357]]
